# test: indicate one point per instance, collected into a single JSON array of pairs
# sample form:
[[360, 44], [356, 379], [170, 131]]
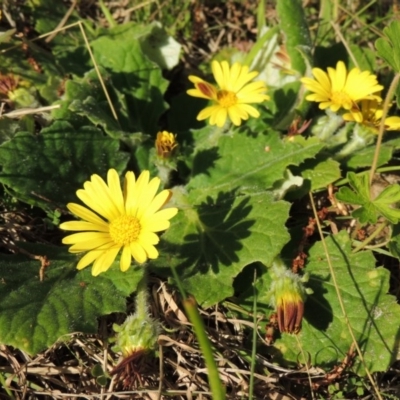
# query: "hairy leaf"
[[47, 169], [211, 241], [35, 314], [373, 314]]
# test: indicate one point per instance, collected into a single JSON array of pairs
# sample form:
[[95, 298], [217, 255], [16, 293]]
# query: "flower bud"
[[287, 297], [166, 144]]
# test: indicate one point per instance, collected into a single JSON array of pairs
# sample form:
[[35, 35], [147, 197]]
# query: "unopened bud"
[[166, 144], [287, 296]]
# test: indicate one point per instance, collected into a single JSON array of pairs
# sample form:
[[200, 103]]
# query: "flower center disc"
[[341, 99], [226, 98], [124, 230]]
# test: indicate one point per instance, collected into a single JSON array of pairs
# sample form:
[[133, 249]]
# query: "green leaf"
[[161, 48], [371, 209], [211, 241], [138, 81], [389, 46], [9, 127], [394, 244], [373, 314], [295, 28], [385, 203], [5, 36], [47, 169], [252, 164], [85, 97], [366, 58], [35, 314], [363, 157], [227, 218], [322, 174], [297, 41], [68, 46], [41, 76]]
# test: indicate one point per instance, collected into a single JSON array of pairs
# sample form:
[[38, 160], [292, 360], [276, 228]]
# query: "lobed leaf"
[[47, 169], [388, 47], [371, 208], [211, 241], [250, 164], [138, 81], [373, 314], [35, 314]]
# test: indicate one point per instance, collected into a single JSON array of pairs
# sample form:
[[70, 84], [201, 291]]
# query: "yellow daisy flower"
[[118, 219], [341, 89], [233, 95], [370, 114]]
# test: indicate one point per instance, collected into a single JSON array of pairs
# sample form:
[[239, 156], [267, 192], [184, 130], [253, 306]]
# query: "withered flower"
[[8, 83], [136, 338]]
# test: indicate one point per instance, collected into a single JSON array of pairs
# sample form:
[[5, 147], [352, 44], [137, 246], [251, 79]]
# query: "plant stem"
[[254, 346], [371, 237], [142, 299], [386, 106], [107, 14], [3, 385], [218, 391]]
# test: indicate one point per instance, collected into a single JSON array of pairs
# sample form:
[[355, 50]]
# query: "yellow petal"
[[102, 263], [217, 71], [236, 115], [86, 214], [101, 196], [207, 112], [94, 202], [94, 237], [159, 201], [392, 123], [138, 253], [147, 237], [129, 192], [114, 184], [83, 226], [219, 117], [147, 196], [91, 245], [126, 259], [250, 110], [156, 224], [135, 192], [88, 258], [338, 76], [244, 78], [151, 251]]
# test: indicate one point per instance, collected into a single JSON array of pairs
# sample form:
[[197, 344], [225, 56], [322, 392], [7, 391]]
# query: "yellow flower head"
[[165, 144], [370, 114], [233, 95], [341, 89], [118, 219]]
